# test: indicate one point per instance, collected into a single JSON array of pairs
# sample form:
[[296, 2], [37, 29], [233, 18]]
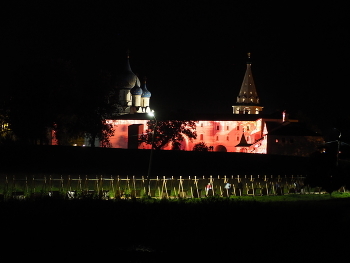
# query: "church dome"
[[126, 79], [145, 92], [136, 90]]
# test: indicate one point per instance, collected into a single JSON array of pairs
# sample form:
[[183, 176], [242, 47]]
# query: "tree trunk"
[[92, 141]]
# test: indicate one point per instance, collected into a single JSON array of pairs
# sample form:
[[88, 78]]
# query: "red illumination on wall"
[[212, 133]]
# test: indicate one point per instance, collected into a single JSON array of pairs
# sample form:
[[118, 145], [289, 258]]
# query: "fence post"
[[157, 183], [181, 187], [134, 185]]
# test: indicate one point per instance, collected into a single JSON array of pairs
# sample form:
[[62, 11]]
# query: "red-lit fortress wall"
[[222, 135], [122, 129], [225, 135]]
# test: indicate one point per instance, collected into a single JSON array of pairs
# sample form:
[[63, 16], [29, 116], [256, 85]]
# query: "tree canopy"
[[167, 132], [327, 173], [53, 94]]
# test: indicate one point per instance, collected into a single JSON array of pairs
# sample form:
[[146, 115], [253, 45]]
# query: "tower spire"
[[127, 66], [243, 142], [248, 101]]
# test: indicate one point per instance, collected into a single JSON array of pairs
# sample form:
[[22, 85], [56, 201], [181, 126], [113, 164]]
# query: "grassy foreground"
[[290, 228]]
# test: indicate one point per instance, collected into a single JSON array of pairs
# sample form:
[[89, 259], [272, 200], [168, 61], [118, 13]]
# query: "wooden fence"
[[160, 187]]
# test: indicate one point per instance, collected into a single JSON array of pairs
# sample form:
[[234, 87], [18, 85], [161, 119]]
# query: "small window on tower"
[[227, 138], [201, 137], [217, 138], [237, 128], [227, 127]]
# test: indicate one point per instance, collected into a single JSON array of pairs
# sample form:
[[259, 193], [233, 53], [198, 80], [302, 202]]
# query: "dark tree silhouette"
[[53, 94], [6, 135], [169, 132], [94, 107], [201, 147], [324, 173], [39, 89]]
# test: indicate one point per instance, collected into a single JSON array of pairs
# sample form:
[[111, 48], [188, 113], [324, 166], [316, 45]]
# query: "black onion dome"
[[126, 79]]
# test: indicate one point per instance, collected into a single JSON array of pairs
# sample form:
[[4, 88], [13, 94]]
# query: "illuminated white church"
[[247, 129], [133, 97]]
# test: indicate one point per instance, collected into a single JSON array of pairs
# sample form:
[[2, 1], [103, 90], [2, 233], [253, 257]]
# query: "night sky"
[[193, 53]]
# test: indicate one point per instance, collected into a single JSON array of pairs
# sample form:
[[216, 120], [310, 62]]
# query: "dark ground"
[[207, 230]]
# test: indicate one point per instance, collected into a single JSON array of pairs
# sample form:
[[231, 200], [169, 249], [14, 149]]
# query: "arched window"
[[201, 137]]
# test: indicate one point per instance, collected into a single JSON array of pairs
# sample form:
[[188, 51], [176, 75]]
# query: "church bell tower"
[[247, 100]]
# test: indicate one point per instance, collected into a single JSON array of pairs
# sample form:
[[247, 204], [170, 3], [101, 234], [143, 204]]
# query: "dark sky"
[[198, 48]]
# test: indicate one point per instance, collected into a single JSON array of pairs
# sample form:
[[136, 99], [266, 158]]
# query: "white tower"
[[145, 98], [136, 93], [247, 99]]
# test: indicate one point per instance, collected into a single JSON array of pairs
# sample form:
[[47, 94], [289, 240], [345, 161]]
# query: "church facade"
[[246, 130]]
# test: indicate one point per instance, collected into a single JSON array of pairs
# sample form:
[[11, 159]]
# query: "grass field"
[[126, 187], [286, 228]]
